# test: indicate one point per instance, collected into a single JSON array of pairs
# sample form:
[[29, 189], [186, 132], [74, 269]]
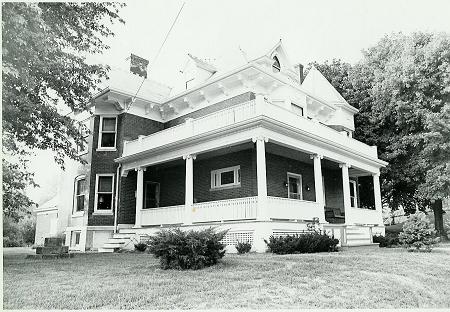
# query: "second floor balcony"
[[243, 114]]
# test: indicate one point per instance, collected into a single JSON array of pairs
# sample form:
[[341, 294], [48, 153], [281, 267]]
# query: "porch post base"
[[263, 230]]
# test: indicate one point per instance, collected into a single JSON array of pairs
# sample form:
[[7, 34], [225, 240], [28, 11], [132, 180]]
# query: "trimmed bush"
[[140, 247], [418, 233], [390, 240], [182, 250], [305, 243], [243, 247]]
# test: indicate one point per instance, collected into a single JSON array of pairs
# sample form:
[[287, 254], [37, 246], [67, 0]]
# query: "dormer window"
[[276, 67]]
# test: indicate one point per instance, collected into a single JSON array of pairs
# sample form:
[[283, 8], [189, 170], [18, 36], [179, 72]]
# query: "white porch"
[[260, 122]]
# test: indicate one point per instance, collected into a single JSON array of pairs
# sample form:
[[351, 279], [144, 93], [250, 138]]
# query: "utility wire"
[[157, 55]]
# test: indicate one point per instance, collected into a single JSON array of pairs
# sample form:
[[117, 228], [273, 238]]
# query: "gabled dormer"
[[342, 119]]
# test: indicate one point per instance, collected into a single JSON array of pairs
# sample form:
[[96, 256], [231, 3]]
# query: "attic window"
[[276, 67]]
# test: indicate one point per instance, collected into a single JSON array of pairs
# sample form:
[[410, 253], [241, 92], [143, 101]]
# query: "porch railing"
[[238, 113], [226, 210], [365, 216], [163, 215], [286, 208]]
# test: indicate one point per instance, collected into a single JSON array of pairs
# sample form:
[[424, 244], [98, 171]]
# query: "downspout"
[[116, 201]]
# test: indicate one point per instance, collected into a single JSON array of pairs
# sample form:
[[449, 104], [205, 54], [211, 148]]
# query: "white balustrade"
[[163, 215], [239, 113], [287, 208], [226, 210]]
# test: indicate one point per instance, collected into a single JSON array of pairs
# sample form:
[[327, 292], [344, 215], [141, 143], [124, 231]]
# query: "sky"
[[215, 30]]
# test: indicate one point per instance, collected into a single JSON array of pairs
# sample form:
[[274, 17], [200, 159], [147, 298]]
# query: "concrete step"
[[106, 250], [357, 242], [123, 235], [367, 245], [112, 244]]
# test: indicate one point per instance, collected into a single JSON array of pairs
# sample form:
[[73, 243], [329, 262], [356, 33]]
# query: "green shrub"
[[243, 247], [389, 240], [140, 247], [305, 243], [177, 249], [418, 233]]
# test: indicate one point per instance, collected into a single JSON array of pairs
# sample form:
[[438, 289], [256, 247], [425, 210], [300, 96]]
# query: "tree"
[[402, 89], [44, 64]]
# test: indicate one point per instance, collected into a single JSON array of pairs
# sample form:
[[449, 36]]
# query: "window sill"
[[225, 187], [106, 149], [102, 213]]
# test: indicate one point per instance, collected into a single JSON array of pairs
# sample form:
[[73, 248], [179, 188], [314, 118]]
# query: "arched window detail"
[[276, 65]]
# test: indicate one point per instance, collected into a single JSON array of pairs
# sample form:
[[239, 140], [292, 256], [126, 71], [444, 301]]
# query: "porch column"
[[346, 191], [261, 177], [189, 188], [139, 196], [318, 185], [377, 195]]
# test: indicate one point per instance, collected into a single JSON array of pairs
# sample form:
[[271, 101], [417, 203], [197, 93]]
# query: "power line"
[[157, 54]]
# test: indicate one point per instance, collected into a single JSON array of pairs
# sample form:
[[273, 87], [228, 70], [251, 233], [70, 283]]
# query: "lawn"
[[370, 278]]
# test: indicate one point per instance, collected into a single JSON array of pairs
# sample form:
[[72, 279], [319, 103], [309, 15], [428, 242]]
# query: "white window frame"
[[354, 199], [73, 244], [75, 195], [100, 133], [104, 211], [216, 183], [299, 176]]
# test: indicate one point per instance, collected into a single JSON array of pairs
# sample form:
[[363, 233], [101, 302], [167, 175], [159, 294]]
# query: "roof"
[[202, 64], [316, 83], [51, 204]]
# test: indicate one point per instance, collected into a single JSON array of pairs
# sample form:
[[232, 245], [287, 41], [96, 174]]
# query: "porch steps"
[[358, 236], [116, 242]]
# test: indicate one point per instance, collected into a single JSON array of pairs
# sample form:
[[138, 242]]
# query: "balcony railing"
[[238, 113], [365, 216]]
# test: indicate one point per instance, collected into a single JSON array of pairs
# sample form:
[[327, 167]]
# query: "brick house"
[[259, 150]]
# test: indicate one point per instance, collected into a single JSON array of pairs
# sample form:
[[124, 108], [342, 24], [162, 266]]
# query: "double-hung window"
[[226, 177], [104, 193], [80, 191], [107, 133]]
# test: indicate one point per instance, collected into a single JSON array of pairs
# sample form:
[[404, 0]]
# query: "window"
[[82, 148], [353, 197], [107, 132], [75, 239], [151, 195], [294, 186], [276, 67], [104, 193], [80, 190], [225, 177], [297, 109]]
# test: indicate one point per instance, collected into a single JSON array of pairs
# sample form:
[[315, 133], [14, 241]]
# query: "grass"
[[376, 278]]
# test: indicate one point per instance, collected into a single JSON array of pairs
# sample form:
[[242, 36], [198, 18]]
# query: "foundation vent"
[[231, 238]]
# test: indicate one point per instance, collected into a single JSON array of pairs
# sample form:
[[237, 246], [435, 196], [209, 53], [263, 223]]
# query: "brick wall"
[[277, 169], [212, 108], [128, 128], [202, 176]]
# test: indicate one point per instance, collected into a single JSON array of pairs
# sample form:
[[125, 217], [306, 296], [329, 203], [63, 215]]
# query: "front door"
[[294, 186], [151, 195]]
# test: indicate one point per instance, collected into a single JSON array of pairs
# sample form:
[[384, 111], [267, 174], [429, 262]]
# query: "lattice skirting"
[[231, 238]]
